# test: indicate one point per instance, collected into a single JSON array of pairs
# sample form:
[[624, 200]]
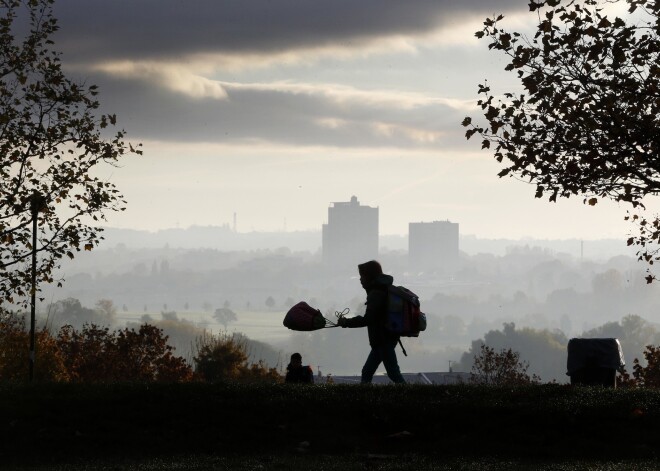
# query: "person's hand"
[[341, 322]]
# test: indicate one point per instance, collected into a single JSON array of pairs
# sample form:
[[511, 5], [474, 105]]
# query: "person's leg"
[[371, 365], [392, 364]]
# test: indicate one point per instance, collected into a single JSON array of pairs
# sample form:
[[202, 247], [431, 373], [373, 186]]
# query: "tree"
[[502, 368], [107, 309], [588, 121], [270, 302], [52, 138], [71, 311], [145, 355], [645, 376], [634, 333], [288, 302], [225, 315], [543, 349]]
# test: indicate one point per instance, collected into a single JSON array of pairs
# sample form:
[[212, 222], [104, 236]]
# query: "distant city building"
[[432, 246], [351, 234]]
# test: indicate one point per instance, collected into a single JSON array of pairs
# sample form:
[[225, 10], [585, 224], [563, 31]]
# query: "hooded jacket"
[[376, 313], [300, 374]]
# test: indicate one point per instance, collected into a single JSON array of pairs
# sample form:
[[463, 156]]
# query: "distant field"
[[257, 325]]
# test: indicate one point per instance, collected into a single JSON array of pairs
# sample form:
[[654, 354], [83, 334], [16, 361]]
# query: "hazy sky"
[[274, 109]]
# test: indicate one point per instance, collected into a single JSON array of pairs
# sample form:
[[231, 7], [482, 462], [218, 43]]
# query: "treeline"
[[94, 353], [545, 351]]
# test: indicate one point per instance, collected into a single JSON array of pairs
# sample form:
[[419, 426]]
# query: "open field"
[[265, 326]]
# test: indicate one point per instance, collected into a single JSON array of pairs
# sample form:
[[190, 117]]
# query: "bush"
[[224, 357], [14, 352], [500, 369], [96, 354]]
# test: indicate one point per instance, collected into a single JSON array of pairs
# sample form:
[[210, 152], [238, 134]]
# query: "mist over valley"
[[529, 295]]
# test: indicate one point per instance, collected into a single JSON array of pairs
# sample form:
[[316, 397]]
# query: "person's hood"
[[381, 280]]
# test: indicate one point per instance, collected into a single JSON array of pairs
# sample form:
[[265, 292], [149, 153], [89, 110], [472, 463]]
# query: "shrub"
[[14, 352], [96, 354], [500, 369], [224, 357]]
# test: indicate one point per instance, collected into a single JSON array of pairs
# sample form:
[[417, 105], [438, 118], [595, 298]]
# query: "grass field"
[[229, 426]]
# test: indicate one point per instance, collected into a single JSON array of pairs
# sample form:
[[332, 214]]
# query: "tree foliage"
[[96, 354], [70, 311], [224, 315], [502, 368], [51, 138], [14, 351], [588, 119], [90, 354], [648, 375], [543, 350], [224, 357]]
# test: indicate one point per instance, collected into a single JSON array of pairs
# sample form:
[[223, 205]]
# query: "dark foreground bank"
[[49, 424]]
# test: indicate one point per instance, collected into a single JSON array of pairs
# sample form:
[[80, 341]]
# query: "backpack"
[[403, 315]]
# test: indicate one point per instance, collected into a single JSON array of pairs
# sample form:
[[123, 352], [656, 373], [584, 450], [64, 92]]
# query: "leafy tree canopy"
[[224, 315], [51, 138], [502, 368], [587, 121]]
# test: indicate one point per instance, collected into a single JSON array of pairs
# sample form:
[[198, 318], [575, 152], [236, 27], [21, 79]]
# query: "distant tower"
[[433, 246], [351, 234], [234, 222], [581, 250]]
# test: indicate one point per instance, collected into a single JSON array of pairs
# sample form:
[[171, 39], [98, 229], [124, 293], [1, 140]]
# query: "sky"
[[272, 110]]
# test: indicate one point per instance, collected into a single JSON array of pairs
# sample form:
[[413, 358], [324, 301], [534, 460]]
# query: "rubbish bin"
[[594, 361]]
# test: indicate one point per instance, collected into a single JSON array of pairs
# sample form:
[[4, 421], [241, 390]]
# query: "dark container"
[[594, 362]]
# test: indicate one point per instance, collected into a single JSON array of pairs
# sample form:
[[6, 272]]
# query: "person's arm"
[[376, 303], [357, 321]]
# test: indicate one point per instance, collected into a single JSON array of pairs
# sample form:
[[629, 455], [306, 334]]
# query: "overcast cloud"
[[273, 109], [169, 68], [99, 30]]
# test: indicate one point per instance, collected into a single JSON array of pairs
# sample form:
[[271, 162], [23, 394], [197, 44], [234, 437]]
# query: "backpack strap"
[[404, 350]]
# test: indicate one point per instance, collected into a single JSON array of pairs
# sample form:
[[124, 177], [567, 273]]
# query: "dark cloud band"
[[161, 29]]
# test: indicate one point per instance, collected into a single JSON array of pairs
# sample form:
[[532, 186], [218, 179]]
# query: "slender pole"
[[35, 205]]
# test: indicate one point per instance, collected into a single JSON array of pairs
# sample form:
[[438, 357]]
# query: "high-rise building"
[[351, 234], [432, 246]]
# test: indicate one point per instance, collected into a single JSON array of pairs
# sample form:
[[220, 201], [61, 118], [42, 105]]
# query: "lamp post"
[[36, 204]]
